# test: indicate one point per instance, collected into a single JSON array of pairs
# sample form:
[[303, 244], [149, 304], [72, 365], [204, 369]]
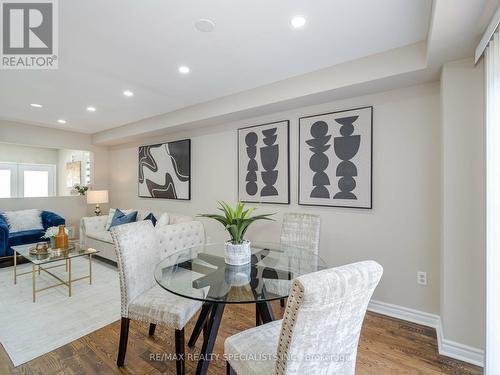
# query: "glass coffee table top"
[[53, 255], [200, 273]]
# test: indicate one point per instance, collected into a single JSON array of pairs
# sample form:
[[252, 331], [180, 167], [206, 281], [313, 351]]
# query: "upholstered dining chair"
[[320, 329], [139, 248], [301, 230]]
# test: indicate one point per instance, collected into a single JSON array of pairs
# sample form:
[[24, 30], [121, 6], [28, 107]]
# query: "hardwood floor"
[[387, 346]]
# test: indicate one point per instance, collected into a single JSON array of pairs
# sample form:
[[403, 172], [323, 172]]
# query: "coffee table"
[[43, 263]]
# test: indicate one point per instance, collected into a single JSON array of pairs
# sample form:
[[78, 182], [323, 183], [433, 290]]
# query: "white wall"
[[27, 154], [72, 208], [464, 212], [402, 232]]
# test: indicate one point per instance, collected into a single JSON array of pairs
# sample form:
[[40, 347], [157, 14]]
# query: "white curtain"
[[492, 65]]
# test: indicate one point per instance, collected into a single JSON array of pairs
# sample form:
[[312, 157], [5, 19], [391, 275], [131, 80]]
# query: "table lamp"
[[97, 197]]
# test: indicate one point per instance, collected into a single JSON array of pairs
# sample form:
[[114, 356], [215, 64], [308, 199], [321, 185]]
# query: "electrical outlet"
[[421, 278]]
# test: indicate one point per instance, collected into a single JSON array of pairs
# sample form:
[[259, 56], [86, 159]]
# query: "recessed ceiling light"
[[61, 121], [36, 105], [298, 22], [128, 93], [91, 109], [205, 25], [183, 69]]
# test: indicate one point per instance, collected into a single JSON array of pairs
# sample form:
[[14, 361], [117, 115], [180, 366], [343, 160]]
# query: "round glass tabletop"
[[201, 273]]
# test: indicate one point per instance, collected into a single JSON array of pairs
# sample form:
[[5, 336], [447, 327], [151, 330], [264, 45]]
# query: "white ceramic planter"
[[237, 254]]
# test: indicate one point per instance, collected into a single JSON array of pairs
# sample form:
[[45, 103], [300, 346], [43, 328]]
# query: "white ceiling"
[[107, 46]]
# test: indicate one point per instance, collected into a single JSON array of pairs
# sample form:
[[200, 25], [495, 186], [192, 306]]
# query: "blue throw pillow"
[[119, 218], [152, 218]]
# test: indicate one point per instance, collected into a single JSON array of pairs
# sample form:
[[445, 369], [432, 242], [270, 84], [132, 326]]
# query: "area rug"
[[28, 330]]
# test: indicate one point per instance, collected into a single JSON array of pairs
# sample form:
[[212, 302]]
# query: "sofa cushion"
[[23, 220], [100, 235], [163, 220], [111, 214], [120, 218], [25, 237], [151, 217]]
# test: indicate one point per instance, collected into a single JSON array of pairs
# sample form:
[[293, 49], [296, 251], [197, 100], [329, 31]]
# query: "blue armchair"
[[7, 239]]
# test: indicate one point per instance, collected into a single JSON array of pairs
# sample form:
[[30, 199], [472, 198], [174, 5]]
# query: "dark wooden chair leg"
[[200, 325], [179, 351], [257, 316], [282, 302], [205, 330], [229, 369], [265, 312], [152, 328], [123, 341]]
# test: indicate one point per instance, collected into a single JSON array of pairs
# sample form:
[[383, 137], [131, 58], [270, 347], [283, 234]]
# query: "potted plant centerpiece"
[[236, 221]]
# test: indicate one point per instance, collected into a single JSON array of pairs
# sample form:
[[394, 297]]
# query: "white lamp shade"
[[97, 196]]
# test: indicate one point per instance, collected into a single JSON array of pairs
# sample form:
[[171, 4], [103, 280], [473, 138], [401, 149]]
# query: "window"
[[5, 180], [8, 180], [36, 183], [27, 180]]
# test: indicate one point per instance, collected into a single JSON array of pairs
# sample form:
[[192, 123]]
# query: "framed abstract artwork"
[[335, 159], [165, 170], [264, 163]]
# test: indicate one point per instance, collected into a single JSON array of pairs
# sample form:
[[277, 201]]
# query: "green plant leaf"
[[236, 220], [227, 210], [219, 218]]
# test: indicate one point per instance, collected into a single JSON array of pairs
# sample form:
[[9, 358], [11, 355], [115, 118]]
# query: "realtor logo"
[[29, 34]]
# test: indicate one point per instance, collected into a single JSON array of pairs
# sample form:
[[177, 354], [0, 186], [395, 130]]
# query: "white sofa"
[[93, 232]]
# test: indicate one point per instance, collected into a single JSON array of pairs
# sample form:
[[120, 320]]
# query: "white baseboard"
[[405, 313], [446, 347], [459, 351]]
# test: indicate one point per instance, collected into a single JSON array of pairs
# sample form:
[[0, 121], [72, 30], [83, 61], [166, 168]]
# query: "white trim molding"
[[459, 351], [405, 313], [488, 34], [446, 347]]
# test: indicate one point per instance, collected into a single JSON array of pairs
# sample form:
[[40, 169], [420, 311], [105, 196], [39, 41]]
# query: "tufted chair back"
[[301, 230], [137, 247], [174, 238], [323, 318]]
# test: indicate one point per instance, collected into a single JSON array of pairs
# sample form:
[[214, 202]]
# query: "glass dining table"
[[200, 273]]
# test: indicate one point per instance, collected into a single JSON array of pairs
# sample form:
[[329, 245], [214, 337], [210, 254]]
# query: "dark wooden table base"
[[209, 321]]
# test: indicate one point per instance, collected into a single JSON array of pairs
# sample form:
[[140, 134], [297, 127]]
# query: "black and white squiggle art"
[[263, 163], [165, 170], [335, 153]]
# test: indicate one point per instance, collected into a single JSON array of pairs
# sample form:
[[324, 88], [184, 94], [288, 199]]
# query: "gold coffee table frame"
[[38, 265]]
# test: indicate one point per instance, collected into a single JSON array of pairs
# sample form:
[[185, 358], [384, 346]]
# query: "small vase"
[[61, 238], [52, 242], [237, 254]]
